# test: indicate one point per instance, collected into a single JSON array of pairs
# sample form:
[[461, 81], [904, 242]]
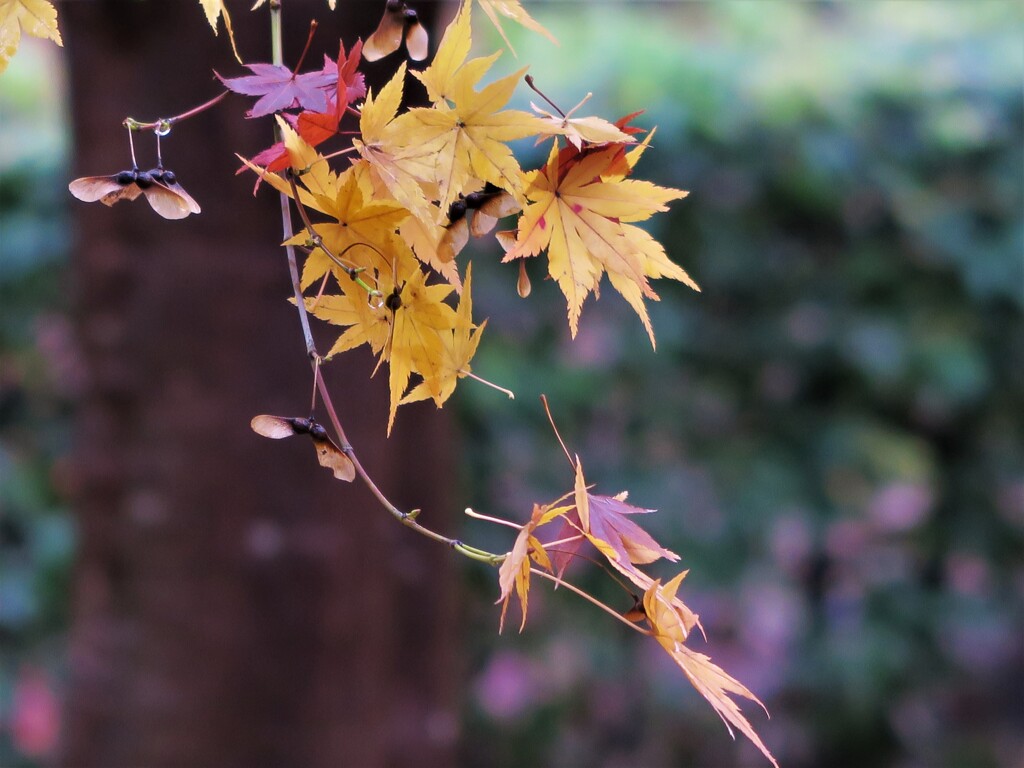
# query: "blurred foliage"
[[831, 430], [37, 377]]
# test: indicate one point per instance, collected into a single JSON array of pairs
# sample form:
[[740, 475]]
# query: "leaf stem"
[[590, 598], [497, 520], [551, 419], [309, 41], [539, 92], [491, 384]]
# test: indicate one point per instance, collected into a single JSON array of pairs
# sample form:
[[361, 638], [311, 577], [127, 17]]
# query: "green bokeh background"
[[832, 429]]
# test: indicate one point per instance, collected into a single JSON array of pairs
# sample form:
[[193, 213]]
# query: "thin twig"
[[165, 123]]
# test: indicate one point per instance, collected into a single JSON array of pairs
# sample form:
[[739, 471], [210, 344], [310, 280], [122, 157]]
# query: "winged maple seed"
[[328, 453], [161, 188], [398, 22]]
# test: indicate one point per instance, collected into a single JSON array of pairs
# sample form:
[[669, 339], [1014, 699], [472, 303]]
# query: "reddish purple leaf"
[[608, 522], [280, 88]]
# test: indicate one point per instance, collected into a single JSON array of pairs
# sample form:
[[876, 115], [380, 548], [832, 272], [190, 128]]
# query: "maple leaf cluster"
[[417, 182], [395, 209], [581, 517]]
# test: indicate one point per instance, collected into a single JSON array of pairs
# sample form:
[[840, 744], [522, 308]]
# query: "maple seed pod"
[[399, 22], [523, 286], [394, 300], [457, 210]]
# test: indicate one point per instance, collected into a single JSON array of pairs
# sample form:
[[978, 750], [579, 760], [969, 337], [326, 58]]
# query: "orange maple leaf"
[[581, 203]]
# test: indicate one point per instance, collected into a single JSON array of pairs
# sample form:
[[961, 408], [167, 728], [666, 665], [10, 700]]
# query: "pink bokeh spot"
[[35, 715], [901, 506]]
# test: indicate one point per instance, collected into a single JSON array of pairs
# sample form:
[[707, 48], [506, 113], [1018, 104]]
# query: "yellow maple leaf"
[[511, 9], [215, 9], [33, 17], [450, 56], [403, 178], [581, 216], [459, 346], [406, 327], [362, 233], [419, 319], [425, 238], [712, 682], [461, 139], [366, 323]]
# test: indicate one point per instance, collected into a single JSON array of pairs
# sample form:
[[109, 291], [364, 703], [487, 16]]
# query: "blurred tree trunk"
[[234, 605]]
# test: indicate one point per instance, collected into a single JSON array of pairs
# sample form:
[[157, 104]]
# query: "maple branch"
[[590, 598], [293, 271], [407, 519]]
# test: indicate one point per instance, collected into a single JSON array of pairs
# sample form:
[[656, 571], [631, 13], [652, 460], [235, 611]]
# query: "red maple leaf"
[[316, 127]]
